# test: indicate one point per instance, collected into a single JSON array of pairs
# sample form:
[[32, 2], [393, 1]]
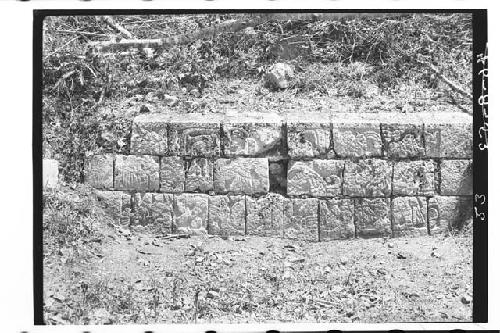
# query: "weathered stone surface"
[[253, 135], [448, 134], [413, 178], [402, 140], [172, 174], [150, 135], [194, 135], [303, 221], [137, 173], [153, 212], [356, 139], [372, 217], [449, 212], [190, 213], [226, 215], [241, 175], [266, 215], [50, 173], [409, 216], [308, 135], [456, 177], [278, 177], [319, 178], [118, 204], [336, 219], [99, 171], [200, 175], [367, 178], [279, 75]]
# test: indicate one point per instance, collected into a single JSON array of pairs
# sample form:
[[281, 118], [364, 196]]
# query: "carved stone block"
[[456, 177], [150, 135], [409, 216], [303, 221], [98, 171], [318, 178], [153, 212], [190, 213], [336, 219], [226, 215], [267, 215], [308, 135], [137, 173], [194, 135], [241, 175], [372, 217], [172, 174], [402, 140], [447, 213], [200, 175], [413, 178], [448, 135], [356, 139], [118, 204], [367, 178]]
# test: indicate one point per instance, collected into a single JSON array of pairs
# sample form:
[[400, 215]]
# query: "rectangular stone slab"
[[403, 136], [172, 175], [367, 178], [150, 135], [318, 178], [456, 177], [241, 176], [190, 213], [308, 135], [414, 178], [303, 221], [449, 212], [98, 171], [372, 217], [199, 175], [267, 215], [194, 134], [226, 215], [355, 135], [336, 218], [409, 216], [137, 173], [153, 212], [448, 135], [118, 204]]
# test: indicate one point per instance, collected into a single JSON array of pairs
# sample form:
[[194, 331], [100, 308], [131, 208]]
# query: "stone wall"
[[309, 176]]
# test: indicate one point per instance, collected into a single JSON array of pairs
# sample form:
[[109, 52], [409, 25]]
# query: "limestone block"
[[308, 135], [50, 173], [267, 215], [449, 212], [278, 177], [372, 217], [303, 221], [409, 216], [319, 178], [200, 175], [153, 212], [413, 178], [456, 177], [98, 171], [194, 135], [253, 135], [356, 139], [172, 174], [241, 175], [190, 213], [137, 173], [402, 140], [448, 135], [336, 218], [367, 178], [118, 205], [226, 215], [150, 135]]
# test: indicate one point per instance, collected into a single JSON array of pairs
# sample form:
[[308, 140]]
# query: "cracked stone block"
[[190, 213], [50, 174], [99, 171], [448, 135], [308, 135], [194, 135], [356, 139], [413, 178], [278, 177], [303, 221], [241, 175], [319, 178], [153, 212], [137, 173], [449, 212], [456, 177], [200, 175], [409, 216], [367, 178], [372, 217], [253, 135], [336, 218], [150, 135], [172, 174], [267, 215], [226, 215], [403, 140], [118, 205]]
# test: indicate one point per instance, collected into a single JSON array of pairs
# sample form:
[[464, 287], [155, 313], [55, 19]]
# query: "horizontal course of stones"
[[335, 176]]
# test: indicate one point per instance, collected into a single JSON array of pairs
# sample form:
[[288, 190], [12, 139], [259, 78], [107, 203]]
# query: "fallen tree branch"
[[443, 78], [109, 21]]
